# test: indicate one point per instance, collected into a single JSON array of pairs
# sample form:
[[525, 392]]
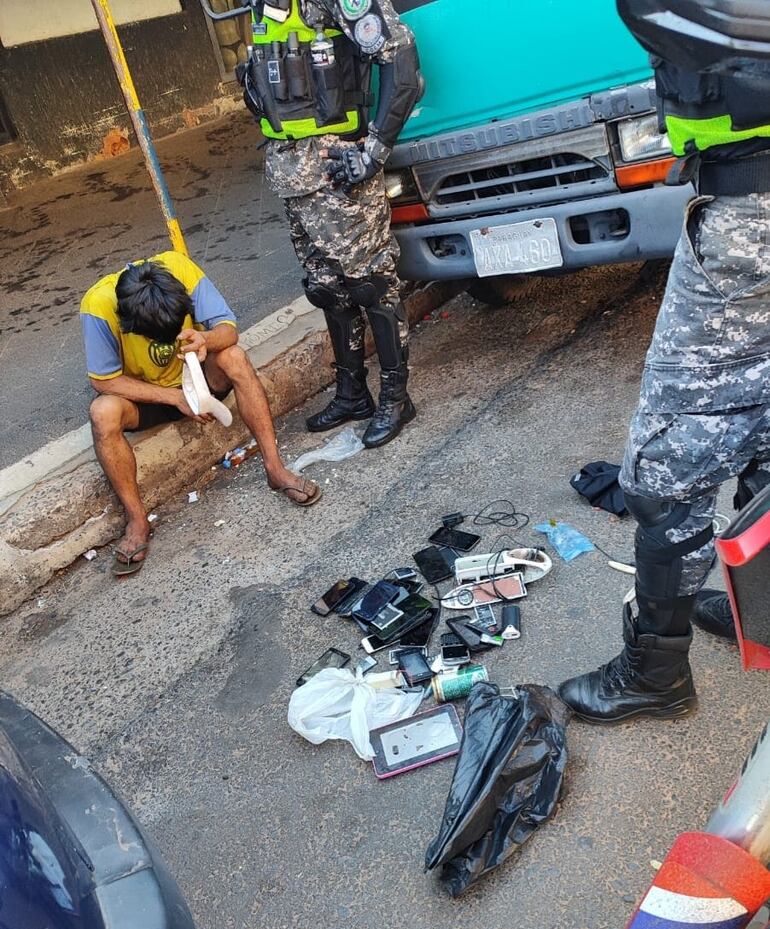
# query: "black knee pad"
[[367, 291], [658, 560], [656, 517], [320, 295]]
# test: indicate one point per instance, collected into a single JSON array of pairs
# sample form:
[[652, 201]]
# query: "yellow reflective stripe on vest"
[[706, 133], [302, 128]]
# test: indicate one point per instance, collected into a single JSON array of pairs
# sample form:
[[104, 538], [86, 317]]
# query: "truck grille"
[[552, 172], [522, 175]]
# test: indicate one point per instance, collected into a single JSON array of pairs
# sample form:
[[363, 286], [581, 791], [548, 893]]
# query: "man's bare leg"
[[110, 416], [232, 368]]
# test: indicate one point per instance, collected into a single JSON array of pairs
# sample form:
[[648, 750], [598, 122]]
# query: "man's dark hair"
[[152, 302]]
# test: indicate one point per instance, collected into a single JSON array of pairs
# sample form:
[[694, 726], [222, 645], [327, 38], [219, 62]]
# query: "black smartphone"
[[333, 596], [375, 600], [454, 538], [331, 658], [415, 667], [454, 655], [434, 565], [410, 586], [421, 634], [415, 610], [357, 587]]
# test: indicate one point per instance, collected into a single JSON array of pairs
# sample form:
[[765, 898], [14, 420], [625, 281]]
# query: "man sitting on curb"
[[137, 324]]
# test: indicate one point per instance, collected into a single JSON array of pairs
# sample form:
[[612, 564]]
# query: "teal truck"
[[536, 146]]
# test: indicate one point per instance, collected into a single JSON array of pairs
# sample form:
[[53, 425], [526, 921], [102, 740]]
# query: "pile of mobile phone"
[[389, 611], [394, 615], [437, 561]]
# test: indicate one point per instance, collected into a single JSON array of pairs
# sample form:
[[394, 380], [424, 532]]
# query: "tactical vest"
[[707, 108], [296, 98]]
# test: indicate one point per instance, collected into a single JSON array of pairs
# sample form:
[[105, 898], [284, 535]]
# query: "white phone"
[[373, 643]]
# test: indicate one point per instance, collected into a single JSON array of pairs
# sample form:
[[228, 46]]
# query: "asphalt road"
[[62, 235], [176, 682]]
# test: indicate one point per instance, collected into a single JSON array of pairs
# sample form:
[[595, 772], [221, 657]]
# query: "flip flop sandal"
[[122, 568], [310, 498]]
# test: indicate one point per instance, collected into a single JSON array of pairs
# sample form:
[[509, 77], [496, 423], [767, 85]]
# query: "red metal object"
[[707, 882], [744, 551]]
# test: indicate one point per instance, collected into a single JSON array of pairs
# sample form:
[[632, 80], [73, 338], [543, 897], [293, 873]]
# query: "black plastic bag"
[[506, 783], [598, 483]]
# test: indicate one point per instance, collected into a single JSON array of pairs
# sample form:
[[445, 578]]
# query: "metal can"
[[455, 684]]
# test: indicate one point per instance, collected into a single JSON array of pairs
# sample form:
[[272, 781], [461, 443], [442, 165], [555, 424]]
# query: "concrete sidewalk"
[[61, 235]]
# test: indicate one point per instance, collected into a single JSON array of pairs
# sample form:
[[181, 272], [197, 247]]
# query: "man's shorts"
[[156, 414]]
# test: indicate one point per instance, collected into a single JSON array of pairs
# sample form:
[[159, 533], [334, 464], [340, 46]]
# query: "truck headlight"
[[640, 138], [400, 186]]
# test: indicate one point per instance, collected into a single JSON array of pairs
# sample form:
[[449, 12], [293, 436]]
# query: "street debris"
[[568, 542], [219, 523], [337, 704], [90, 554], [506, 783], [237, 456], [153, 517], [343, 445], [192, 496], [598, 483], [456, 683]]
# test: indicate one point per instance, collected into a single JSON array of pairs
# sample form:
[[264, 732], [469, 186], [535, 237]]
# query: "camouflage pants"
[[704, 411], [337, 237]]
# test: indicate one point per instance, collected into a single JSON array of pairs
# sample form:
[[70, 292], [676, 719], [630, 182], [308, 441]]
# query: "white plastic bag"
[[344, 445], [337, 704]]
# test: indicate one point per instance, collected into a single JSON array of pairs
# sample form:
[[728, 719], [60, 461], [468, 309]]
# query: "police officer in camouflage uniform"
[[308, 82], [704, 412]]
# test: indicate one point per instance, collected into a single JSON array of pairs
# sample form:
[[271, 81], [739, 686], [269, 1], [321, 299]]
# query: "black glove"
[[350, 166]]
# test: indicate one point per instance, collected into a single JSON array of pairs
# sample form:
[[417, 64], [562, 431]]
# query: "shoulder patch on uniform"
[[355, 9], [369, 33]]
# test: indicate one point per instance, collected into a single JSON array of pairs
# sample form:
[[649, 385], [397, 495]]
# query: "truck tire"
[[498, 291]]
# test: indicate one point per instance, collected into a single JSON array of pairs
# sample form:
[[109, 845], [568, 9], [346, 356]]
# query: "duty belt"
[[736, 178]]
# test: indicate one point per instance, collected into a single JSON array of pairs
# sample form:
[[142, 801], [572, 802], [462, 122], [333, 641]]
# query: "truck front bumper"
[[631, 226]]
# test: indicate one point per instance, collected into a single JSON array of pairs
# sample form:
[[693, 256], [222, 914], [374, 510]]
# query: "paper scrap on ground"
[[192, 496], [90, 554]]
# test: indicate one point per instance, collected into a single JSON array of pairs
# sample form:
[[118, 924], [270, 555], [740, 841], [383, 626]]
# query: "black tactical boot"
[[714, 614], [394, 409], [352, 401], [650, 677]]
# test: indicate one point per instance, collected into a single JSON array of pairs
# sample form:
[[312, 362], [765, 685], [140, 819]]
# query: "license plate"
[[516, 248]]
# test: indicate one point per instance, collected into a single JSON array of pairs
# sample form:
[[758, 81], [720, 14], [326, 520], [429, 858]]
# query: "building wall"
[[63, 98]]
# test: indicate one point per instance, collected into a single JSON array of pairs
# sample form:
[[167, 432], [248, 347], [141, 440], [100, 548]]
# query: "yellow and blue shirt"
[[110, 352]]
